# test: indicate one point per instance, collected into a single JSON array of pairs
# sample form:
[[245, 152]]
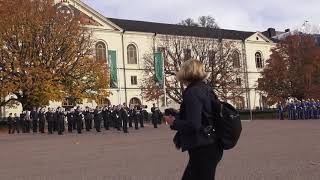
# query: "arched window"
[[132, 54], [135, 102], [236, 59], [259, 61], [101, 52]]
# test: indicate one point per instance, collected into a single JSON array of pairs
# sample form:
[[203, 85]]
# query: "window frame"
[[236, 61], [134, 80], [259, 60], [103, 49], [135, 51]]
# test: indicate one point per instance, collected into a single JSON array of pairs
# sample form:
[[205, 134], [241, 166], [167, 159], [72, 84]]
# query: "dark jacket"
[[196, 106]]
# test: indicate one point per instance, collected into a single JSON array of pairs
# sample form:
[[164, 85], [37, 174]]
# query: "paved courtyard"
[[268, 150]]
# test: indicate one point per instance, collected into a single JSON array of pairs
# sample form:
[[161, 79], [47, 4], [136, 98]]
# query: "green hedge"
[[3, 123], [260, 115]]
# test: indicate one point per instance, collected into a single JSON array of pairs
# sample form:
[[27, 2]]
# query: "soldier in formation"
[[304, 109], [120, 117]]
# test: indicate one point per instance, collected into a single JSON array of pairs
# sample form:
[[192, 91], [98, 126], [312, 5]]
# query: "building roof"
[[180, 30]]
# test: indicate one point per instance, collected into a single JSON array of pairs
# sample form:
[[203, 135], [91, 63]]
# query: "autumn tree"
[[221, 60], [45, 55], [292, 70], [203, 21]]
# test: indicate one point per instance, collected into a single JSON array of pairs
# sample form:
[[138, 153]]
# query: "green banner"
[[113, 69], [158, 67]]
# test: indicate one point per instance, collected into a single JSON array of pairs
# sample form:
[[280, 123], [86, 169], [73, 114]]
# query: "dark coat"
[[196, 104]]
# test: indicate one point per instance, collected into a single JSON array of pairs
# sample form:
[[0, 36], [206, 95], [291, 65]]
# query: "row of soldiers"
[[298, 110], [118, 117]]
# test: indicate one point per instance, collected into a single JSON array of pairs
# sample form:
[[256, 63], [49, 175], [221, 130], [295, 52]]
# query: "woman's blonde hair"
[[191, 70]]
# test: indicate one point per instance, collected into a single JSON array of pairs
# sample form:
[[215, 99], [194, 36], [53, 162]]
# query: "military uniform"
[[280, 111], [140, 116], [124, 118], [50, 120], [34, 115], [87, 119], [130, 116], [106, 118], [42, 121], [10, 122], [60, 122], [97, 120]]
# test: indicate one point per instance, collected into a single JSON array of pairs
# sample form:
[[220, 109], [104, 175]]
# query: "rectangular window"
[[161, 49], [134, 80], [187, 54], [238, 81]]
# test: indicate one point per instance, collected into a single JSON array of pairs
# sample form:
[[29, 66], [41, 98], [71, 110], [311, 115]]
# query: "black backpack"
[[225, 123], [228, 125]]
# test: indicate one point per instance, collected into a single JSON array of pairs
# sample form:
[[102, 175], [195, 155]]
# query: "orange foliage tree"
[[293, 70], [45, 55]]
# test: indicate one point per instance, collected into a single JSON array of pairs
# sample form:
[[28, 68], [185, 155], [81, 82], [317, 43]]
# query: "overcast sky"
[[250, 15]]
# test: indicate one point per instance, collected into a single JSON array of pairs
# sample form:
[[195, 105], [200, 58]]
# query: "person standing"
[[16, 121], [87, 118], [23, 121], [118, 118], [78, 119], [10, 122], [34, 115], [198, 103], [50, 120], [27, 122], [140, 116], [280, 111], [136, 115], [145, 114], [70, 120], [60, 120], [153, 116], [130, 115], [97, 119], [106, 117], [42, 120], [124, 118]]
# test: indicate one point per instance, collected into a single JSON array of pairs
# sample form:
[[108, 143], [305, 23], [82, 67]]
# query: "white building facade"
[[131, 40]]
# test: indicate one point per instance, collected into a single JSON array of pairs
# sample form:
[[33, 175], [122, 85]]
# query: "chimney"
[[287, 30], [271, 32]]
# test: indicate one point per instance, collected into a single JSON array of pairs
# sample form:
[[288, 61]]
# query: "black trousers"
[[50, 127], [97, 124], [87, 123], [130, 121], [203, 162], [141, 122], [155, 123], [41, 125], [35, 126], [70, 123], [11, 128], [125, 125], [106, 123], [27, 126], [79, 125], [136, 123], [60, 126]]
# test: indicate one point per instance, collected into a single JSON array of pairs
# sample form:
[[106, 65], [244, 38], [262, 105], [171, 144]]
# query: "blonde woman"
[[197, 105]]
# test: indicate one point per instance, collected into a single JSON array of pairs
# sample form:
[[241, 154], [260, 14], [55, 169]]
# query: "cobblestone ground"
[[268, 150]]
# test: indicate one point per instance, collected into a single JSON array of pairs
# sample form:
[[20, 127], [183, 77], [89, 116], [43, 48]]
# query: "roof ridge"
[[159, 23]]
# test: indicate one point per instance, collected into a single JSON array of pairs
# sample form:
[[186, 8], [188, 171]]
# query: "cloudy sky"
[[251, 15]]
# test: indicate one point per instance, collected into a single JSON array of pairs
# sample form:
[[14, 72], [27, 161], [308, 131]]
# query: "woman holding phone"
[[204, 152]]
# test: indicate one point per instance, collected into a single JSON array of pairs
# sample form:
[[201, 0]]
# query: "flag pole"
[[164, 82]]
